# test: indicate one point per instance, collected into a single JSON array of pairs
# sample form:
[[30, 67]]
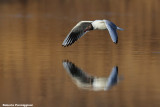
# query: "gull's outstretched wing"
[[77, 32], [112, 30]]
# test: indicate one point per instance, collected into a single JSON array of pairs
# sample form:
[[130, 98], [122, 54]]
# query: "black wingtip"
[[116, 68], [116, 42], [66, 60], [64, 46], [68, 44]]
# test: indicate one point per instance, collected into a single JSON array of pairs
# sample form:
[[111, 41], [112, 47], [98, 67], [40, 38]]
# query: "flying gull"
[[85, 26]]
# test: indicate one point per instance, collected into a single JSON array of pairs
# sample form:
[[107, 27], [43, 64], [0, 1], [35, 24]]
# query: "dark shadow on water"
[[85, 81]]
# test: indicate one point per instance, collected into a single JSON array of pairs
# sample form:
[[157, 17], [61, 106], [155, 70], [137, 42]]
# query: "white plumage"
[[84, 26]]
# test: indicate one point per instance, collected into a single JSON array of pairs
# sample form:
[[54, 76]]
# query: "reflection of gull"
[[84, 26], [86, 81]]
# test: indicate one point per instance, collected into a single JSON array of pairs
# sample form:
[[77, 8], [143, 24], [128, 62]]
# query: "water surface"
[[31, 55]]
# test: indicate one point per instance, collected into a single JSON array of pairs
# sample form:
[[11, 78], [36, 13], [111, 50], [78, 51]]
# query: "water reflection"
[[85, 81]]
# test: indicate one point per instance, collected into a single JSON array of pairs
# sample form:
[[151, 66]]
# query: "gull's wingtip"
[[116, 42], [66, 61], [63, 45], [116, 67], [66, 45]]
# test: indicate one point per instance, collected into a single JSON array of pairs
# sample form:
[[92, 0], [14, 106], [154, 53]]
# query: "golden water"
[[31, 55]]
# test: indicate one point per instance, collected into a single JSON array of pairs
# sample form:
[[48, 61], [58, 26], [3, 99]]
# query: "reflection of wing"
[[112, 30], [85, 81], [77, 32], [113, 77], [77, 72]]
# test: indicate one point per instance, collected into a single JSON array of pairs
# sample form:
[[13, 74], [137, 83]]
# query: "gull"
[[85, 81], [85, 26]]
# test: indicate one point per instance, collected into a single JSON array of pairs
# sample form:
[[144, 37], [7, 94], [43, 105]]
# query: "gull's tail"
[[119, 28]]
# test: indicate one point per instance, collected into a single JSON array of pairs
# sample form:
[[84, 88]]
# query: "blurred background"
[[31, 55]]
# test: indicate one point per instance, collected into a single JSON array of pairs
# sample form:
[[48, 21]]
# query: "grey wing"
[[77, 32], [112, 31], [113, 77]]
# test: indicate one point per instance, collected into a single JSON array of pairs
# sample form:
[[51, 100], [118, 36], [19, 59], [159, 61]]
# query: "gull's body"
[[85, 81], [84, 26]]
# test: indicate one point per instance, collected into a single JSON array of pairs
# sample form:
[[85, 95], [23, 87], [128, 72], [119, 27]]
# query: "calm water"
[[31, 55]]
